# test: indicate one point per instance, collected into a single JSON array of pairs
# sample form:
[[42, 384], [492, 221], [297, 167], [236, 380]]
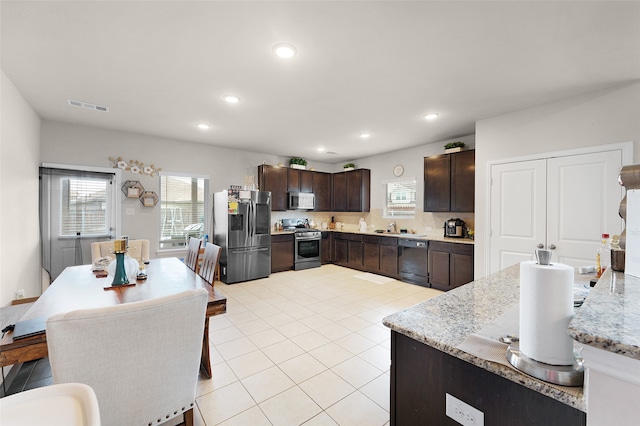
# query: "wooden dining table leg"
[[205, 359]]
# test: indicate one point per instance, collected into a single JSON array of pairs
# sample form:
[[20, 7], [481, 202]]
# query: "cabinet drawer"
[[384, 241], [282, 238], [459, 248], [353, 237]]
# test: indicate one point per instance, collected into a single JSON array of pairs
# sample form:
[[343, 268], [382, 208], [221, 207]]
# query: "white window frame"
[[116, 211], [207, 204], [385, 184]]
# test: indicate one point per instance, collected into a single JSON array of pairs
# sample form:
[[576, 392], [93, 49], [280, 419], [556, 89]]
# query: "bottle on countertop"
[[603, 256]]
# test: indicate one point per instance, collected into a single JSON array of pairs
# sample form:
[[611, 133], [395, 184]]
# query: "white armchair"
[[69, 404], [141, 358], [137, 249]]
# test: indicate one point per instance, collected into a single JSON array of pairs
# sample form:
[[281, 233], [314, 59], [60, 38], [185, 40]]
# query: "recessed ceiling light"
[[284, 50], [204, 126], [365, 135], [320, 149], [431, 116], [232, 99]]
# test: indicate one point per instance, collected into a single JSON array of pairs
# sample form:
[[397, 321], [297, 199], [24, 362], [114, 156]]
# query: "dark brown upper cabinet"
[[352, 191], [300, 180], [449, 182], [274, 179], [322, 191]]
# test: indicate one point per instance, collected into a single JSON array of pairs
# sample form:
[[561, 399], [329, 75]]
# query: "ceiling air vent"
[[87, 105]]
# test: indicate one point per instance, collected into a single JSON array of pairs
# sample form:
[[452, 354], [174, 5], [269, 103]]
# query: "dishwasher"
[[412, 261]]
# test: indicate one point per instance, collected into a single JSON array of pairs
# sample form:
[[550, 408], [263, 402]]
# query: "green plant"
[[454, 145], [299, 161], [349, 165]]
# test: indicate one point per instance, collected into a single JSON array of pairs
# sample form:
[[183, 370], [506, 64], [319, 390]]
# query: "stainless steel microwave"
[[301, 201]]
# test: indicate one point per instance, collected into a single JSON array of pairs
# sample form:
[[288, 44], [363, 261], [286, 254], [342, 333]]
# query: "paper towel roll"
[[546, 308]]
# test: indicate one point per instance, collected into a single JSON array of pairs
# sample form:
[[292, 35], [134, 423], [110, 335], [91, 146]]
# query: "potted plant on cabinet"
[[298, 163], [453, 147], [348, 167]]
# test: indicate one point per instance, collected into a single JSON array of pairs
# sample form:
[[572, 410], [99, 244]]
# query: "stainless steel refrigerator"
[[241, 226]]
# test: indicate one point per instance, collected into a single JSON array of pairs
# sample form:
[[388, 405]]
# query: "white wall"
[[90, 146], [412, 159], [19, 226], [599, 118]]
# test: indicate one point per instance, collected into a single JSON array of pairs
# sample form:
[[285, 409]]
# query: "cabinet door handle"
[[540, 246], [552, 247]]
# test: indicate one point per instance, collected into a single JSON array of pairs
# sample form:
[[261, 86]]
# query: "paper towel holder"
[[543, 257], [563, 375]]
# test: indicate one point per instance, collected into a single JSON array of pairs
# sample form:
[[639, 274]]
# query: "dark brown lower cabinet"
[[282, 252], [347, 249], [450, 264], [326, 248], [421, 376], [381, 255], [355, 253], [340, 249]]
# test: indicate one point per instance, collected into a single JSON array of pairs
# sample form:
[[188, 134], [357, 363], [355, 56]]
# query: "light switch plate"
[[131, 211]]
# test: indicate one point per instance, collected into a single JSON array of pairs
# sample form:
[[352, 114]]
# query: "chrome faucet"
[[392, 225]]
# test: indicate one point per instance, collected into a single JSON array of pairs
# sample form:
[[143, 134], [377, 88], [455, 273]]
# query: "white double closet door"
[[562, 203]]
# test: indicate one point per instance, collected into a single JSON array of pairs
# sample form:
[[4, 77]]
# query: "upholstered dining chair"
[[193, 253], [68, 404], [137, 249], [209, 270], [141, 358]]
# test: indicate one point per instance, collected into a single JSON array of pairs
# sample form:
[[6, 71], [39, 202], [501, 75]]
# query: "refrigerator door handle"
[[252, 219]]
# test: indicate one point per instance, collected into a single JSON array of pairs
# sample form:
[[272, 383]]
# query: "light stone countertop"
[[424, 237], [445, 321], [610, 316]]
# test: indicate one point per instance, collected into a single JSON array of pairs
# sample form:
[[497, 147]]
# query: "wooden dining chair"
[[193, 253], [210, 269], [141, 358]]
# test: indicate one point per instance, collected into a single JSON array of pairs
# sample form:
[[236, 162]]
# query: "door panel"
[[564, 203], [583, 204], [518, 206]]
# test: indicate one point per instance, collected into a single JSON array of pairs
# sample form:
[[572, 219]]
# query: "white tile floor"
[[303, 347]]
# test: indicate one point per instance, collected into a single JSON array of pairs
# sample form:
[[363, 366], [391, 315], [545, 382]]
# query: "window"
[[83, 207], [183, 207], [400, 199]]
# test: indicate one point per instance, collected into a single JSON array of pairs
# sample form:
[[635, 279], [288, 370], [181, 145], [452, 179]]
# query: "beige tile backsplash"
[[422, 223]]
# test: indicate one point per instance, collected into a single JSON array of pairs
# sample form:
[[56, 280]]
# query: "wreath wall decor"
[[134, 166]]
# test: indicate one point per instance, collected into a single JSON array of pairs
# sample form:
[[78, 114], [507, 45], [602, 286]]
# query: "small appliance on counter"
[[454, 228]]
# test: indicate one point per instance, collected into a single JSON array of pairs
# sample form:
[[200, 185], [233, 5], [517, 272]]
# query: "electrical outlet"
[[463, 413], [20, 294], [428, 228]]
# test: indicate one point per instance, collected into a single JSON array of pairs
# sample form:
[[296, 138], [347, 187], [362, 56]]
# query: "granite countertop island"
[[609, 320], [446, 321], [610, 316]]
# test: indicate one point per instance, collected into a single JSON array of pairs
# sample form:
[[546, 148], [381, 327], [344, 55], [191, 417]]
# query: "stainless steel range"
[[307, 243]]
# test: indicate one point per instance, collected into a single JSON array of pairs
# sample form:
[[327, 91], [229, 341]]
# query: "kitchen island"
[[427, 362]]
